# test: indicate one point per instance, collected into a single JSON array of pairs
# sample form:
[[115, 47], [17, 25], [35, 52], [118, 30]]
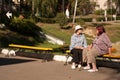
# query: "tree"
[[84, 7], [44, 8], [117, 6]]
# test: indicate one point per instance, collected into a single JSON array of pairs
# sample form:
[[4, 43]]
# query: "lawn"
[[112, 29], [54, 30]]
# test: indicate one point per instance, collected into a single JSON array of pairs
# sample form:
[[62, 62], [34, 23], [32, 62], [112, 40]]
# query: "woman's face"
[[97, 32], [79, 31]]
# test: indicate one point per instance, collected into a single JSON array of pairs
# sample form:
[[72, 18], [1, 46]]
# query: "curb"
[[62, 58]]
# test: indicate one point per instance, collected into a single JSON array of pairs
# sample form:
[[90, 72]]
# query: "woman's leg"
[[91, 56], [85, 53], [77, 57], [93, 53], [94, 66], [80, 56], [74, 55]]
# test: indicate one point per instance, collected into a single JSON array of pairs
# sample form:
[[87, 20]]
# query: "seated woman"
[[100, 46], [78, 43]]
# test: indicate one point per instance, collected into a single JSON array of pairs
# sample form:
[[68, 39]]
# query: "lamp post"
[[75, 11], [111, 8], [63, 2], [10, 5]]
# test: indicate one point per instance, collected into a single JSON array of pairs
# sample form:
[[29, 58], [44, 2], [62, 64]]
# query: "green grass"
[[112, 29], [47, 45], [54, 30], [113, 32]]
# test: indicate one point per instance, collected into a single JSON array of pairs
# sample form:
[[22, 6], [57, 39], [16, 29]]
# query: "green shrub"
[[61, 19], [24, 26], [27, 28], [66, 27], [4, 19], [118, 17], [99, 12], [62, 48], [111, 11], [87, 19], [45, 20], [100, 19]]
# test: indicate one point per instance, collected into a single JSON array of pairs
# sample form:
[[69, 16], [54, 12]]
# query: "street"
[[22, 68]]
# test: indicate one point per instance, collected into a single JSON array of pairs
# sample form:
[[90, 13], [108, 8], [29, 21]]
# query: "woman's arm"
[[109, 51], [84, 42], [89, 47], [108, 43], [72, 41]]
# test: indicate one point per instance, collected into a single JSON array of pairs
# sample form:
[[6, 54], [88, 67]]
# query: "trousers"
[[77, 55]]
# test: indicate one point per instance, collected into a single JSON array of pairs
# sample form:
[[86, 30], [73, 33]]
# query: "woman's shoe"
[[79, 66], [86, 68], [92, 70], [73, 66]]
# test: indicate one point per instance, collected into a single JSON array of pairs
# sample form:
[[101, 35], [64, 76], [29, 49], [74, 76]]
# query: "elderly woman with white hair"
[[78, 43]]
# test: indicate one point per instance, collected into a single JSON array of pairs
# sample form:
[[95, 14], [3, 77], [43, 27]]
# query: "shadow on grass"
[[10, 61], [7, 37]]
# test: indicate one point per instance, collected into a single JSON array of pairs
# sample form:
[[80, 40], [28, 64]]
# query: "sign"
[[67, 13], [9, 15]]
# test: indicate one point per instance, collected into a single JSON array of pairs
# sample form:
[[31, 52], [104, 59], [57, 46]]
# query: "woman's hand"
[[109, 51], [89, 47], [79, 47]]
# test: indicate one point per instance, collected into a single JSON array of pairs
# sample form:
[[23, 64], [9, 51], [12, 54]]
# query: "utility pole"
[[2, 14], [33, 9], [2, 7], [63, 3], [111, 9], [75, 11]]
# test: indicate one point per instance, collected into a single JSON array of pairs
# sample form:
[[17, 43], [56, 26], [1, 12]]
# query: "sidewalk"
[[22, 68]]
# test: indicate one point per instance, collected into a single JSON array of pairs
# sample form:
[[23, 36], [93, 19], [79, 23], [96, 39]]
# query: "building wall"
[[101, 4], [17, 1]]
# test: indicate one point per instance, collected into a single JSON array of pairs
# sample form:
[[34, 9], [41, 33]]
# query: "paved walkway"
[[22, 68]]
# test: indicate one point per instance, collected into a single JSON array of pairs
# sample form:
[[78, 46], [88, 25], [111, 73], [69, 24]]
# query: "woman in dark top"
[[100, 45]]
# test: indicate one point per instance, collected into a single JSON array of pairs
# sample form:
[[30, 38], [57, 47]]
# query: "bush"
[[24, 26], [99, 12], [4, 19], [61, 19], [62, 48], [118, 17], [100, 19], [111, 11], [27, 28], [45, 20], [87, 19]]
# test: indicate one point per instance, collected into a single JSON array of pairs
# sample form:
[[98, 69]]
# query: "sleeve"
[[84, 42], [72, 44], [107, 41]]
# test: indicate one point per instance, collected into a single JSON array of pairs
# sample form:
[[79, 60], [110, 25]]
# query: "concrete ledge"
[[61, 58], [45, 56]]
